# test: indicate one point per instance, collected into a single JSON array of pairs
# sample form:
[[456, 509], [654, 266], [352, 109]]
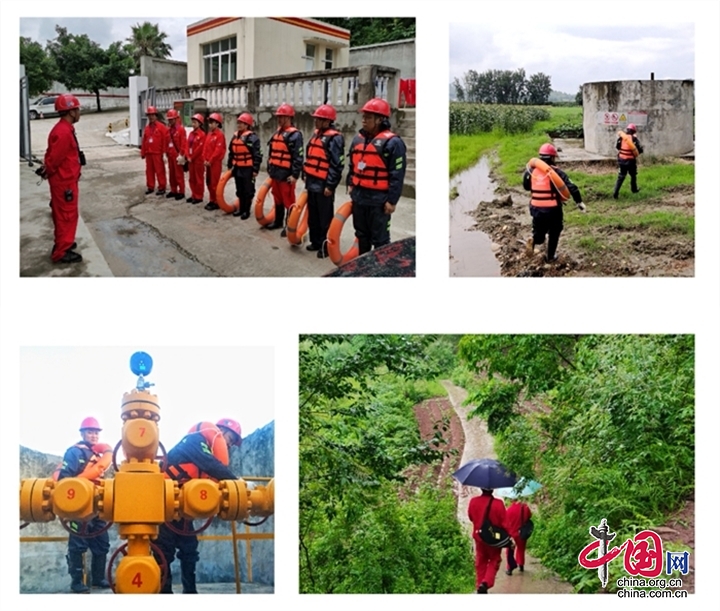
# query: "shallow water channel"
[[471, 252]]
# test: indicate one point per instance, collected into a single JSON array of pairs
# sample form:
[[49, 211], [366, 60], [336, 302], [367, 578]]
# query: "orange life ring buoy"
[[629, 141], [96, 467], [560, 185], [297, 224], [262, 218], [220, 194], [333, 237], [216, 441]]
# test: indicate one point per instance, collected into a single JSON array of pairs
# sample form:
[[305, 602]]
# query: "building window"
[[309, 57], [220, 60], [328, 59]]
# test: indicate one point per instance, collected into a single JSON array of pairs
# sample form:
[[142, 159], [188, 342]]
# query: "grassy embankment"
[[649, 210]]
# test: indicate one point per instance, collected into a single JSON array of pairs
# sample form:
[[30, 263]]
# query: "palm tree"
[[147, 39]]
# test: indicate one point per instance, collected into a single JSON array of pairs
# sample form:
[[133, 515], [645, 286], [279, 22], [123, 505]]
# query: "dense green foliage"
[[477, 118], [359, 529], [606, 423], [373, 30], [85, 65], [39, 67], [503, 87]]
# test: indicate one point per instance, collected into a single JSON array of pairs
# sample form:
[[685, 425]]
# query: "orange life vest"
[[369, 168], [628, 150], [97, 462], [242, 157], [217, 446], [316, 162], [279, 151], [541, 192]]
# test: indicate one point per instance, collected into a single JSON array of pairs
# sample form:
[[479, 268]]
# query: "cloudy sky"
[[106, 30], [573, 55], [59, 387]]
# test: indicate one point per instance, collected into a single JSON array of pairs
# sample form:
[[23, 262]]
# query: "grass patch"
[[465, 151]]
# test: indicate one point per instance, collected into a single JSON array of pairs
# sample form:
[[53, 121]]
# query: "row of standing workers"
[[376, 167], [203, 453]]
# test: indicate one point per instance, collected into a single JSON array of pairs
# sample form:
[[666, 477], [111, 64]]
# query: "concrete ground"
[[123, 232]]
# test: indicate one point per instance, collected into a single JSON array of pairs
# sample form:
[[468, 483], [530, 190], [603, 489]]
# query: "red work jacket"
[[62, 158], [215, 145], [155, 137]]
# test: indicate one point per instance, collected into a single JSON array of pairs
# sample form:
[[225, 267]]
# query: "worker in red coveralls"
[[61, 167], [213, 154], [176, 155], [154, 145], [517, 514], [285, 162], [196, 161], [487, 558]]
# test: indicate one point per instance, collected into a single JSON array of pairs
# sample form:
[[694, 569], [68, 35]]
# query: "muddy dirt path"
[[608, 250], [479, 444]]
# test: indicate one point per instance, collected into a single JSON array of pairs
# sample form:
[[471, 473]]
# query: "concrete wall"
[[115, 97], [663, 112], [43, 567], [267, 46], [398, 54], [163, 73]]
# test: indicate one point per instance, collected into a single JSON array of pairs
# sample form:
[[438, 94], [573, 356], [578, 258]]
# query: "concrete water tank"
[[662, 111]]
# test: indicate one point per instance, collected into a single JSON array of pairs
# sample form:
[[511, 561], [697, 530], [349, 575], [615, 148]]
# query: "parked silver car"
[[43, 107]]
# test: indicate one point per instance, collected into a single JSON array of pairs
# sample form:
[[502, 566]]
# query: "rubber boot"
[[98, 572], [633, 184], [187, 574], [618, 184], [75, 568], [278, 222]]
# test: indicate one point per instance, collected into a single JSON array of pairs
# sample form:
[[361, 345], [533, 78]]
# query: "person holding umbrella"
[[485, 474]]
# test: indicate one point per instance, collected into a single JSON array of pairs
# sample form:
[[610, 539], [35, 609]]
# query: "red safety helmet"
[[285, 110], [246, 118], [325, 111], [232, 425], [548, 150], [66, 102], [151, 110], [631, 128], [217, 117], [90, 423], [172, 114], [199, 118], [378, 106]]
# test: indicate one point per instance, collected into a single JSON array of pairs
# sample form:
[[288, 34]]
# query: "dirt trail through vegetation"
[[479, 444]]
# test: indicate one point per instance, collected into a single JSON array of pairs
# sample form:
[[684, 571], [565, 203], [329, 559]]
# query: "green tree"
[[39, 66], [84, 64], [579, 96], [373, 30], [605, 422], [147, 39], [357, 435], [538, 89]]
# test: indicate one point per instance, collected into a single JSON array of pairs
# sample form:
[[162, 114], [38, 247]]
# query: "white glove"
[[581, 207], [181, 160]]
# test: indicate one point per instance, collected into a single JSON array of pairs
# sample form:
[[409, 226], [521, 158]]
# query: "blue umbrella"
[[522, 488], [485, 473]]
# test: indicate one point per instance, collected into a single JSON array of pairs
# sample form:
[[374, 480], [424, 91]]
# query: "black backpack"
[[527, 529]]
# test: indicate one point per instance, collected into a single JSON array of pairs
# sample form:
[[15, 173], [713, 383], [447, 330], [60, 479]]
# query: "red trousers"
[[176, 175], [487, 563], [64, 216], [214, 172], [283, 193], [197, 178], [155, 167]]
